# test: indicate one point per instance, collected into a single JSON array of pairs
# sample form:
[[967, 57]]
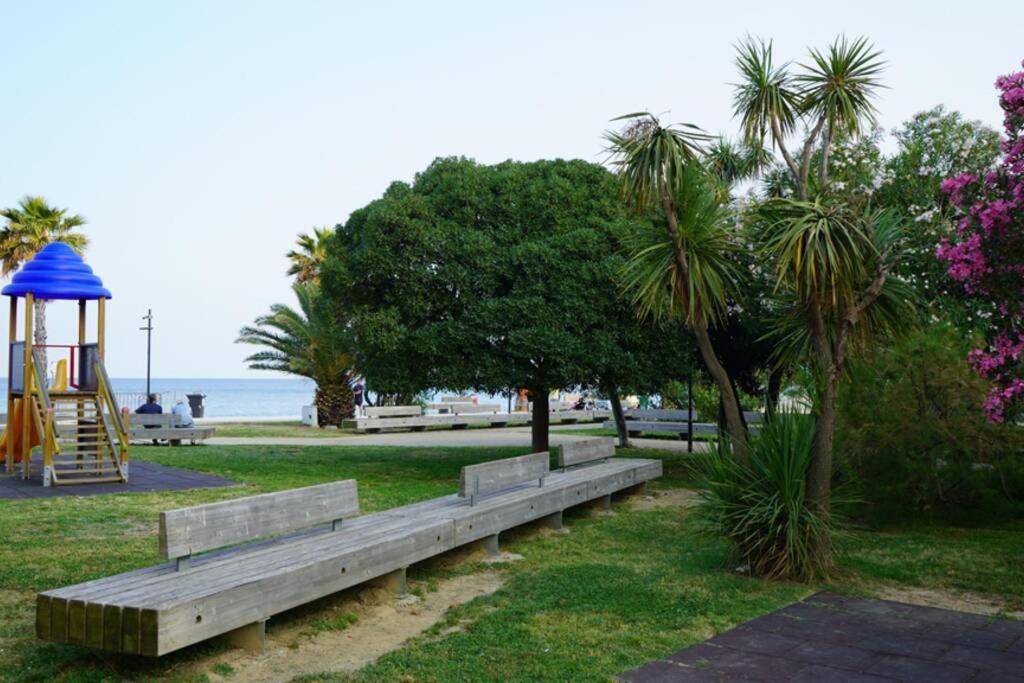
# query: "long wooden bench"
[[222, 574], [463, 420], [392, 411], [165, 427]]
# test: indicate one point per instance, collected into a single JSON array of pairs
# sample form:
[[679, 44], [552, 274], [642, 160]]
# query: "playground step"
[[85, 469], [86, 480]]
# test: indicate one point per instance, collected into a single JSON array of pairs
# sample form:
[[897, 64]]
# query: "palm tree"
[[658, 165], [306, 260], [308, 342], [29, 227]]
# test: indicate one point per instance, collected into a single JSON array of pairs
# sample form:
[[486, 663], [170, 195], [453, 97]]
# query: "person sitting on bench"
[[184, 413], [150, 407]]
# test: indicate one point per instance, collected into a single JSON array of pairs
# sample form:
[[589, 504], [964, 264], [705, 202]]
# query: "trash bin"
[[195, 402]]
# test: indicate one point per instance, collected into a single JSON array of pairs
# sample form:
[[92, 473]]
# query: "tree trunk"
[[620, 417], [334, 403], [39, 334], [541, 419], [771, 401], [733, 419], [819, 472]]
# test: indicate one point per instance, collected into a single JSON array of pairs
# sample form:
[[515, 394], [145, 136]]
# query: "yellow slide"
[[15, 424], [60, 376]]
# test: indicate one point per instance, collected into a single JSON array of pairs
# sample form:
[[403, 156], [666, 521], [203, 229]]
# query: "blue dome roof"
[[57, 272]]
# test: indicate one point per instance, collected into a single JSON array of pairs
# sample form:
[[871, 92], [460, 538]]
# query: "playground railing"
[[110, 401], [42, 412]]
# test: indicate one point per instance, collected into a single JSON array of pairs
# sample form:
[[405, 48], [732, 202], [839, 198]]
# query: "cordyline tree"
[[832, 257], [690, 276], [490, 278], [987, 255]]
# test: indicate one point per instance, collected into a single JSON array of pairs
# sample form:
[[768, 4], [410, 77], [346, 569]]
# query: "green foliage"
[[912, 432], [32, 225], [495, 278], [307, 259], [653, 277], [761, 506], [840, 84], [309, 342], [766, 100]]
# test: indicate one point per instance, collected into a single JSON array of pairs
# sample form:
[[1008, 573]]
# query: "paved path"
[[503, 436], [831, 637]]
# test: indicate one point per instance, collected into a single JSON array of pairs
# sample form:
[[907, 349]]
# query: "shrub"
[[913, 433], [761, 506]]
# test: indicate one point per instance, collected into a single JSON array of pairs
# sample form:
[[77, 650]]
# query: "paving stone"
[[752, 640], [753, 665], [913, 670], [985, 659], [697, 656], [663, 672], [907, 646], [816, 673], [992, 639], [832, 655], [997, 677]]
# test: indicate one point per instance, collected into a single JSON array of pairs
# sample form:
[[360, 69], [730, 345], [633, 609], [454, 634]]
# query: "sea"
[[223, 398]]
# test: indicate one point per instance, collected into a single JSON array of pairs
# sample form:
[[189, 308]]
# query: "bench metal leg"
[[554, 521], [394, 582], [604, 503], [251, 637]]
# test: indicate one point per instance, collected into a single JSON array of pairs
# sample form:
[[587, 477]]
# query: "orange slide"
[[15, 424]]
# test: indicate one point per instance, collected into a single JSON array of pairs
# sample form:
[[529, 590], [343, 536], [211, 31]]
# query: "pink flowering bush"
[[987, 255]]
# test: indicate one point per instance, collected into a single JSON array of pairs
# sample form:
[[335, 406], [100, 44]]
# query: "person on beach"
[[184, 413], [358, 392]]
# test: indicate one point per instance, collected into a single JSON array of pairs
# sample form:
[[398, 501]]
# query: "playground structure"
[[76, 420]]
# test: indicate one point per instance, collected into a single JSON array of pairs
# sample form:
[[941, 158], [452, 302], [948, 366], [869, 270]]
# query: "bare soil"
[[653, 500], [384, 622], [961, 601]]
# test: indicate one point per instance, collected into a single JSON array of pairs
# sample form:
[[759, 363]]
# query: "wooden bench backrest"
[[488, 477], [154, 420], [393, 411], [470, 408], [456, 399], [579, 452], [661, 414], [186, 531]]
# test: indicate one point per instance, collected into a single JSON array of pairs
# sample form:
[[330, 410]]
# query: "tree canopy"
[[495, 278]]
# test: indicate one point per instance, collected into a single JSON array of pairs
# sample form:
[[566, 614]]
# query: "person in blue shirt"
[[358, 394], [150, 407]]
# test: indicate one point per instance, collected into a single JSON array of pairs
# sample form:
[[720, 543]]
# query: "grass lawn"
[[615, 592], [294, 428]]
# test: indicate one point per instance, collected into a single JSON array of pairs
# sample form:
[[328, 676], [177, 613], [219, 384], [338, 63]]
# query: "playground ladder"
[[83, 433]]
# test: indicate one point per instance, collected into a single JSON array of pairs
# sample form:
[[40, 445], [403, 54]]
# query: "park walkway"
[[504, 436], [831, 637]]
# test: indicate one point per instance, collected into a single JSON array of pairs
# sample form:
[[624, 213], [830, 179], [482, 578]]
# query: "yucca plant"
[[760, 505]]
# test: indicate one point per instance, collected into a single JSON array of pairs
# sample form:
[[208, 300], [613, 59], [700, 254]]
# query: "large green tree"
[[490, 278], [29, 227]]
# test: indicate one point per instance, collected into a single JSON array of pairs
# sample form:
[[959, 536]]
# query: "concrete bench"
[[165, 427], [673, 421], [393, 411], [316, 548]]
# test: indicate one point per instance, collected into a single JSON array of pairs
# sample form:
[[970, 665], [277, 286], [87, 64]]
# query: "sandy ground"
[[384, 623], [961, 601], [503, 436]]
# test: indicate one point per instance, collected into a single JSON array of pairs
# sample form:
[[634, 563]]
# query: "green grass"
[[278, 429], [612, 593]]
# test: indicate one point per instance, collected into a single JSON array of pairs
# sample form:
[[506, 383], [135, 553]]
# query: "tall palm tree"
[[308, 342], [29, 227], [306, 260], [658, 166]]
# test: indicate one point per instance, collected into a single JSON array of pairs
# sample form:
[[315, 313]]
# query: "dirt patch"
[[961, 601], [502, 558], [672, 498], [20, 598], [384, 623]]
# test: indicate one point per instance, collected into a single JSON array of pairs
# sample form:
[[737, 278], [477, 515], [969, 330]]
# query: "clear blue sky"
[[198, 138]]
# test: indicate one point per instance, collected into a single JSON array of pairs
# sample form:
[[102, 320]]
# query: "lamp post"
[[149, 344]]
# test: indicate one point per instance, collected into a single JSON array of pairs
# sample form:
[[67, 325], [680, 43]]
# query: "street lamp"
[[149, 344]]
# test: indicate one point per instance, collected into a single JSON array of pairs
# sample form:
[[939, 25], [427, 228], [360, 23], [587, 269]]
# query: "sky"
[[199, 138]]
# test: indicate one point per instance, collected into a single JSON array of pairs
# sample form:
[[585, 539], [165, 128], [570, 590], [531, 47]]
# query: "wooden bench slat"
[[488, 477], [186, 531], [579, 452], [393, 411]]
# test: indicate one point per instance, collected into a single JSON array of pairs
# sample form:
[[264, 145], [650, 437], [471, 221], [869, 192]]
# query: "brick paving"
[[831, 637], [143, 477]]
